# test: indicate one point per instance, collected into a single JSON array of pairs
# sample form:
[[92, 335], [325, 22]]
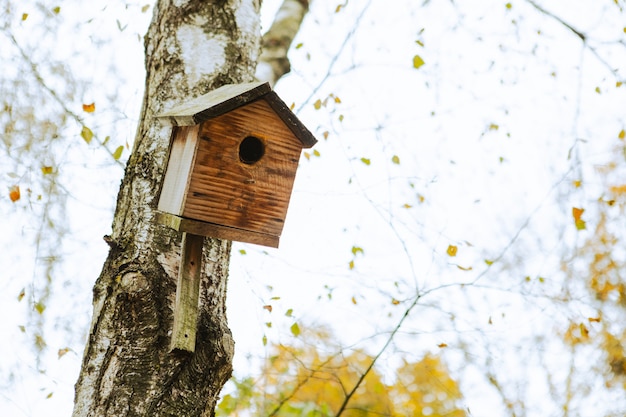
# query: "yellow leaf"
[[407, 206], [337, 100], [118, 152], [268, 307], [295, 329], [594, 319], [351, 264], [316, 153], [145, 8], [451, 251], [40, 307], [353, 300], [395, 302], [598, 90], [56, 10], [366, 161], [508, 6], [622, 134], [24, 16], [298, 46], [21, 295], [420, 43], [86, 134], [63, 351], [442, 345], [341, 117], [289, 313], [493, 126], [14, 193], [464, 268], [307, 156], [395, 159], [618, 84], [292, 106], [417, 61], [242, 251], [577, 183], [264, 340], [356, 249], [46, 170], [325, 134], [318, 104], [488, 262], [49, 396], [89, 108]]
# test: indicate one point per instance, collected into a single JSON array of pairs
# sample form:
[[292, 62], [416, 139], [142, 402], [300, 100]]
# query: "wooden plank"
[[179, 168], [187, 294], [215, 230], [215, 103]]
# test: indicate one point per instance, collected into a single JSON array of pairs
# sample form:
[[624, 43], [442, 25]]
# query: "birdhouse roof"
[[230, 97]]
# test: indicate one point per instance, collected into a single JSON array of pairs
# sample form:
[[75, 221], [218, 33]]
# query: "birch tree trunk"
[[192, 47]]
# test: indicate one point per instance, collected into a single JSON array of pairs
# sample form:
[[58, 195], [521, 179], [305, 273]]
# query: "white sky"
[[480, 187]]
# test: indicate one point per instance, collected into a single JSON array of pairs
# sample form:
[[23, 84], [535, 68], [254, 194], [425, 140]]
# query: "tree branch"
[[273, 62]]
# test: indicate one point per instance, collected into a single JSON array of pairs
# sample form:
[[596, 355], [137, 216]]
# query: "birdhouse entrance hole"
[[251, 150]]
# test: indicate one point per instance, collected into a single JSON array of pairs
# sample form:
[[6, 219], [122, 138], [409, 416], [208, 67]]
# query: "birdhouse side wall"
[[228, 191], [179, 168]]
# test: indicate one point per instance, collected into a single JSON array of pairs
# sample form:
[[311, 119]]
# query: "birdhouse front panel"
[[244, 170]]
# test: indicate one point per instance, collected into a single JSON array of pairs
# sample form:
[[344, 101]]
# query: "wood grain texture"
[[187, 294], [215, 230], [224, 190]]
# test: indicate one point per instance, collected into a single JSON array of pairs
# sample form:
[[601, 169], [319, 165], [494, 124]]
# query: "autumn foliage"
[[305, 381]]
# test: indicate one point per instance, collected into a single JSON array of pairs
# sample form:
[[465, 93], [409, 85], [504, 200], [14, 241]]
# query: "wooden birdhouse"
[[232, 164], [231, 168]]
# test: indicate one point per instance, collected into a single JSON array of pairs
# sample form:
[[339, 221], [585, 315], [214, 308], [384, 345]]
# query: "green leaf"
[[118, 152], [86, 134], [295, 329], [417, 61], [242, 251], [395, 159], [289, 313], [264, 340]]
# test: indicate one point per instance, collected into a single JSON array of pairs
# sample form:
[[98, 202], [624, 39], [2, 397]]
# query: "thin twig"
[[378, 355], [56, 97]]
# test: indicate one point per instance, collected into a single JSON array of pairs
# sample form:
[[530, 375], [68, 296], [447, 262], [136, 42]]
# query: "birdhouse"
[[232, 164]]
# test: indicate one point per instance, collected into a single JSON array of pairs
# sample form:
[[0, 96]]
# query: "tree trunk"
[[192, 47]]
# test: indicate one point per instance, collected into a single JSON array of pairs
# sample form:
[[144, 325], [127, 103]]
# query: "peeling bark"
[[192, 47]]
